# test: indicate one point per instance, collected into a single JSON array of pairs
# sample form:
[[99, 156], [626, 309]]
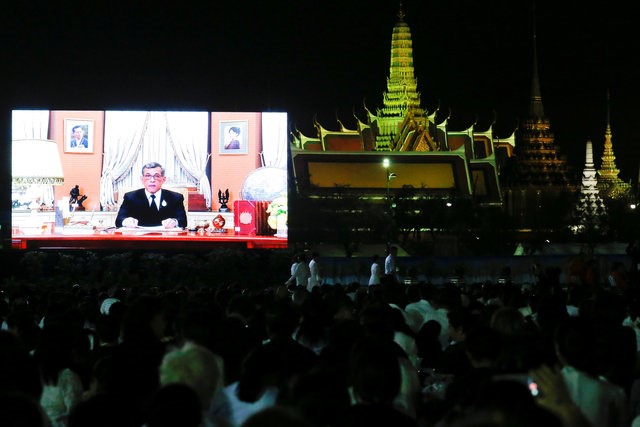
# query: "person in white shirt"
[[602, 402], [374, 278], [301, 271], [390, 264], [314, 272]]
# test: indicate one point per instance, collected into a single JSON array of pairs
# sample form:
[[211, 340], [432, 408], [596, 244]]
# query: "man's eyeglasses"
[[147, 177]]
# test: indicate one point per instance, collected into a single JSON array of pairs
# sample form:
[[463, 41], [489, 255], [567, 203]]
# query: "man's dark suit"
[[84, 142], [136, 205]]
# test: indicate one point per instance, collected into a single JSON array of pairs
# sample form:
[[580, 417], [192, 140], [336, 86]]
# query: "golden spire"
[[609, 183], [402, 96], [400, 13]]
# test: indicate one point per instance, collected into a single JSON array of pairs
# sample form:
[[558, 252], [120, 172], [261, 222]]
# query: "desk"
[[112, 239], [106, 219]]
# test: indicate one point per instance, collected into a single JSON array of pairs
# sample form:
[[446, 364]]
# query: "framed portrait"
[[233, 137], [78, 136]]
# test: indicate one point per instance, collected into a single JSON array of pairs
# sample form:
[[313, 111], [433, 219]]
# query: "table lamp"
[[34, 163]]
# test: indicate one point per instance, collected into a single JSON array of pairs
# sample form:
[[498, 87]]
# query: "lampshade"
[[36, 161]]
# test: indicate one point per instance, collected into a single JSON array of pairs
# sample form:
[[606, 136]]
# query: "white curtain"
[[188, 135], [177, 140], [274, 140], [30, 124], [124, 132], [33, 124]]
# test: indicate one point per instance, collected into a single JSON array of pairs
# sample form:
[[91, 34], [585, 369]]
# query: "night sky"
[[329, 59]]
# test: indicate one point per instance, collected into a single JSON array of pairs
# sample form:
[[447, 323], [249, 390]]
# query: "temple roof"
[[432, 158]]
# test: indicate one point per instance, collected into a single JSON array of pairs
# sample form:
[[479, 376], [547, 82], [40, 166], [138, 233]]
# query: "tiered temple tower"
[[590, 210], [609, 184], [537, 162], [401, 99], [536, 181]]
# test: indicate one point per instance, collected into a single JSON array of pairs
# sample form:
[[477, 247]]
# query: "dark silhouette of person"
[[633, 250], [74, 193], [76, 199], [135, 361]]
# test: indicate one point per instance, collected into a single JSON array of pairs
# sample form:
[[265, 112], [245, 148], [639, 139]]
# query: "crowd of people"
[[298, 352]]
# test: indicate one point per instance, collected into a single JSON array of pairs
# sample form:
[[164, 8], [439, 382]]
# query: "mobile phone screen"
[[533, 387]]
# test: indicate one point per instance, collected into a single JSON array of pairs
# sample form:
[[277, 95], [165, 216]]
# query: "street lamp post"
[[389, 176]]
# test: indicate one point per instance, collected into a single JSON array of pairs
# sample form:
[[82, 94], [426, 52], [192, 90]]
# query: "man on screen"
[[152, 206], [78, 140]]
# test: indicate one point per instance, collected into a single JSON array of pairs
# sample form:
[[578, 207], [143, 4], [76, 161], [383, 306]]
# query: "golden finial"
[[401, 13]]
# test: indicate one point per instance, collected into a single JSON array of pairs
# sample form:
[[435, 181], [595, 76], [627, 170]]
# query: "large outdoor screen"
[[72, 168]]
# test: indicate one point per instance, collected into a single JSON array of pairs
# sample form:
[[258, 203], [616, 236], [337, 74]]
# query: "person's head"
[[393, 250], [234, 131], [153, 177], [145, 320], [574, 340], [483, 346], [277, 416], [18, 409], [172, 405], [509, 321], [374, 370], [193, 365], [19, 371], [460, 321], [77, 131]]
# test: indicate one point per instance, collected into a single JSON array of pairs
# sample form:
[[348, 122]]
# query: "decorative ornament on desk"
[[223, 198], [202, 226], [75, 201], [278, 211], [218, 224]]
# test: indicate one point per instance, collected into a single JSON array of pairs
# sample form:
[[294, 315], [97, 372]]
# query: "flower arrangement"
[[277, 211]]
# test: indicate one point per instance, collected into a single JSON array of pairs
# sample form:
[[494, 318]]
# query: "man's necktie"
[[153, 202]]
